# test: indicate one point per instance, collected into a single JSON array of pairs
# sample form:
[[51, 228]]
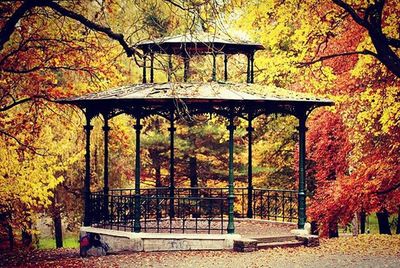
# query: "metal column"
[[169, 67], [214, 68], [144, 80], [136, 226], [106, 129], [250, 169], [231, 226], [252, 68], [172, 167], [302, 171], [248, 69], [225, 67], [86, 188], [152, 68]]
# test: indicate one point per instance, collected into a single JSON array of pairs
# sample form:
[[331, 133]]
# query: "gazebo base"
[[120, 241]]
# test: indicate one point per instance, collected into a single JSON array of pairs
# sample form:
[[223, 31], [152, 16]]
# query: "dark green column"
[[169, 67], [302, 171], [214, 69], [152, 68], [144, 69], [248, 68], [252, 68], [225, 67], [172, 168], [106, 129], [250, 170], [87, 218], [231, 226], [136, 226]]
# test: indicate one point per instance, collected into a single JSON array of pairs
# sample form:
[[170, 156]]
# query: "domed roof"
[[198, 43]]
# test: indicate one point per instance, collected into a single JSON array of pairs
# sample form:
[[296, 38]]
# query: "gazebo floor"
[[126, 240], [251, 227]]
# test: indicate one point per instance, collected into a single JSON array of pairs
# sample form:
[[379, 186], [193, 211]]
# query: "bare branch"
[[179, 5], [9, 26], [15, 103], [90, 24], [352, 12], [388, 190], [22, 144], [37, 68], [323, 58], [21, 101]]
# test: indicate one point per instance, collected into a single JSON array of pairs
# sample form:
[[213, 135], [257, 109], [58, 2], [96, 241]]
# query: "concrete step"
[[282, 244], [272, 239]]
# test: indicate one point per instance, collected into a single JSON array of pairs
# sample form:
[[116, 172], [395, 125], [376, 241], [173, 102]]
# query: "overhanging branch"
[[393, 42], [351, 11], [22, 144], [21, 101], [9, 26], [331, 56], [90, 24], [179, 5], [388, 190]]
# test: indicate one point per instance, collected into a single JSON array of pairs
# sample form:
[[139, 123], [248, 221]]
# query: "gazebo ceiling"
[[199, 43], [201, 95]]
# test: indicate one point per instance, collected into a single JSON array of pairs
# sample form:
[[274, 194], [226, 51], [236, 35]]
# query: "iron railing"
[[199, 210]]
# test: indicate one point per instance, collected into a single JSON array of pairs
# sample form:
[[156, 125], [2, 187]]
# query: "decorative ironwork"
[[197, 210]]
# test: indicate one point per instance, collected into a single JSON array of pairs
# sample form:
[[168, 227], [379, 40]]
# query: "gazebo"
[[157, 209]]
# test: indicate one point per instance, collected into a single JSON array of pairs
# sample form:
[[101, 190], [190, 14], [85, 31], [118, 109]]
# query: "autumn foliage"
[[353, 149]]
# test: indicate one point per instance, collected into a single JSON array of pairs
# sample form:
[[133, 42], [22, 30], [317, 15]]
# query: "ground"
[[361, 251]]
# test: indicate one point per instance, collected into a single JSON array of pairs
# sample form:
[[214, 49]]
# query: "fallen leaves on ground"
[[364, 250]]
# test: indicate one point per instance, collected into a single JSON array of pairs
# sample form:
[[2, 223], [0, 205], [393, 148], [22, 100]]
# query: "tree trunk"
[[398, 222], [10, 236], [355, 225], [26, 237], [58, 229], [194, 182], [314, 228], [56, 215], [383, 220], [333, 230], [363, 218], [193, 175], [158, 174]]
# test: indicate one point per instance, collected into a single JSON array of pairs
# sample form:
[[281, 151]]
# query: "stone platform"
[[120, 241]]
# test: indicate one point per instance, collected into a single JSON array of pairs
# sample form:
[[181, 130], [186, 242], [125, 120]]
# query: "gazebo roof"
[[198, 43], [213, 93]]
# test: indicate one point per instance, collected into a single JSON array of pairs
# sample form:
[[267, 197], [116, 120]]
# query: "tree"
[[328, 159], [373, 18], [41, 58]]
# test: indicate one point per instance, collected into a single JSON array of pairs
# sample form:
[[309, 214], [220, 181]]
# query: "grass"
[[70, 241], [372, 224]]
